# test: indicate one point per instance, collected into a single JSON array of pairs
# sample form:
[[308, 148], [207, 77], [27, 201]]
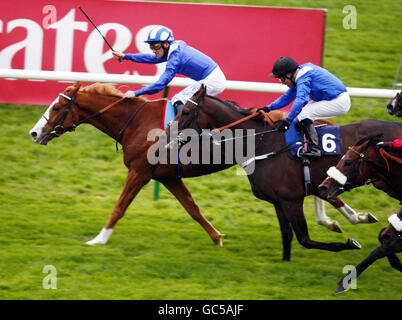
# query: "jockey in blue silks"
[[329, 98], [181, 59]]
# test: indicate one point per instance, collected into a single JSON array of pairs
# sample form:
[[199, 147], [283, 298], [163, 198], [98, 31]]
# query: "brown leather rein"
[[266, 117]]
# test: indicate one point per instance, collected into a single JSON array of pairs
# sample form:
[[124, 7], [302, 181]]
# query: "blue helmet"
[[160, 34]]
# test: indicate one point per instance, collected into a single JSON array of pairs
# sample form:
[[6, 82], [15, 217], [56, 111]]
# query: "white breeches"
[[325, 109], [215, 83]]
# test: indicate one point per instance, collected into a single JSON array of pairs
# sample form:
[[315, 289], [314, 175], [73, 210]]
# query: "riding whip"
[[89, 19]]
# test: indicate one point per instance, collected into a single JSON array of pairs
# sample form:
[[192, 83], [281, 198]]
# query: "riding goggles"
[[155, 45]]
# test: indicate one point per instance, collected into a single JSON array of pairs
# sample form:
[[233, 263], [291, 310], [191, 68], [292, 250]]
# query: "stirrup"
[[313, 153]]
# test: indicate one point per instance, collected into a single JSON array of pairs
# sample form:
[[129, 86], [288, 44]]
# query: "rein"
[[363, 157], [72, 102], [245, 119], [386, 155]]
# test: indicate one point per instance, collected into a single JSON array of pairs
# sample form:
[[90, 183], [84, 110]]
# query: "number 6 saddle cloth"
[[328, 135]]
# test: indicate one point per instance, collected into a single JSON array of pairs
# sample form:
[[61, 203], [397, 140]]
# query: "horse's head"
[[353, 170], [192, 115], [394, 106], [60, 117]]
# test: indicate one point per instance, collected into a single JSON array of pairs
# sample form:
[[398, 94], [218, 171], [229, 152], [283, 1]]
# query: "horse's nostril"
[[33, 134], [322, 189]]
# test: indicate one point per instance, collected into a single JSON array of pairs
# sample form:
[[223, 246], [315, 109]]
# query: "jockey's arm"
[[283, 100], [164, 79], [303, 90], [143, 58]]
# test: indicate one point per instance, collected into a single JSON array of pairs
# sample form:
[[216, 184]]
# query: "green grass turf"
[[55, 198]]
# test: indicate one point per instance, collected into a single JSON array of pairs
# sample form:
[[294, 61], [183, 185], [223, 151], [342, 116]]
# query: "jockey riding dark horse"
[[329, 98]]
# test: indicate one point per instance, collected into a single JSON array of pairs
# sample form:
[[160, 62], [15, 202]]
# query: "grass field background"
[[53, 199]]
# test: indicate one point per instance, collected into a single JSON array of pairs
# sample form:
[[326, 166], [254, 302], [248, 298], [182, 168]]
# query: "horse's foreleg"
[[394, 262], [350, 214], [293, 211], [322, 218], [286, 231], [180, 191], [134, 183], [378, 253]]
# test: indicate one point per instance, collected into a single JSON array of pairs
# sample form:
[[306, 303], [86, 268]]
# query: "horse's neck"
[[222, 115], [109, 121]]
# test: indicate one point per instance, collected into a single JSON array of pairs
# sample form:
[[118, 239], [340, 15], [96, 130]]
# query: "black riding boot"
[[312, 139], [178, 105]]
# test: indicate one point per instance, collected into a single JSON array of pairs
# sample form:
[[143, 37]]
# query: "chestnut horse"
[[367, 162], [279, 179], [129, 121], [394, 106]]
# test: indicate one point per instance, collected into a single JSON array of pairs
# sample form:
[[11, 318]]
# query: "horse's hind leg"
[[134, 182], [286, 231], [180, 191], [350, 214], [293, 211]]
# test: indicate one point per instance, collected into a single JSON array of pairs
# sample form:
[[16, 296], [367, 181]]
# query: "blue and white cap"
[[160, 34]]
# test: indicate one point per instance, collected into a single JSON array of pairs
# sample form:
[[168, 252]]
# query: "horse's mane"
[[102, 89], [375, 137], [231, 105]]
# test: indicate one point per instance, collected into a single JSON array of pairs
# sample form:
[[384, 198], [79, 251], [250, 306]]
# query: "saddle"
[[295, 141]]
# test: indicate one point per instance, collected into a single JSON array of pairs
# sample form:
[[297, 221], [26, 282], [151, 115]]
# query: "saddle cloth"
[[169, 113], [328, 135]]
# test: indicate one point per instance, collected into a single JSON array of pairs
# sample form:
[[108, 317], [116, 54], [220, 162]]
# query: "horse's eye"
[[56, 109], [348, 163], [185, 112]]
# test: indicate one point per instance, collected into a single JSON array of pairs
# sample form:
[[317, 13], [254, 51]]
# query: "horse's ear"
[[203, 91], [76, 87]]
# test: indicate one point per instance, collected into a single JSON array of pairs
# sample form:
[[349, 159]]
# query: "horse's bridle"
[[196, 113], [58, 127], [362, 156], [398, 104]]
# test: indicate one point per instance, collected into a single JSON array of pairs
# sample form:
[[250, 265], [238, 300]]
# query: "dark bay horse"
[[103, 106], [363, 162], [279, 179], [394, 106]]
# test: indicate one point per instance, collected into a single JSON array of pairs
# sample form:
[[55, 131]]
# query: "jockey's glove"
[[265, 109], [284, 126]]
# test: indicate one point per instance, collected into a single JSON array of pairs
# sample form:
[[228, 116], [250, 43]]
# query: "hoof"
[[94, 241], [371, 218], [340, 288], [336, 227], [219, 241], [353, 244]]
